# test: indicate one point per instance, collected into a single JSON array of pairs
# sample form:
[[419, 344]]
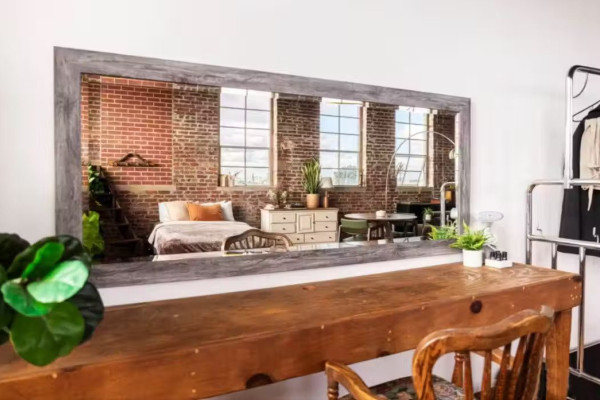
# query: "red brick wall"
[[177, 126]]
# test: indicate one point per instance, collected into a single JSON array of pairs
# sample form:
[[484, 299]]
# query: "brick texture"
[[177, 127]]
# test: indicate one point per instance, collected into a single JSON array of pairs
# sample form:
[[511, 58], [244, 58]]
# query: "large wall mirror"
[[161, 162]]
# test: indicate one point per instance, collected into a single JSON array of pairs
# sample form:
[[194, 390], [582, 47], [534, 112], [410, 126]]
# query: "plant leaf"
[[92, 240], [6, 312], [61, 283], [41, 340], [16, 296], [72, 249], [46, 257], [90, 305], [10, 246]]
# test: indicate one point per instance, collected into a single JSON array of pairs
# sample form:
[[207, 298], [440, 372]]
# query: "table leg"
[[557, 357], [390, 231]]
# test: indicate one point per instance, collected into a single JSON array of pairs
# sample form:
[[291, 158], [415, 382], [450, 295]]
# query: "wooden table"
[[388, 220], [205, 346]]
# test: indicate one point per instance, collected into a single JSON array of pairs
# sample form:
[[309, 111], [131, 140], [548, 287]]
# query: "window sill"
[[245, 188], [414, 189], [345, 189]]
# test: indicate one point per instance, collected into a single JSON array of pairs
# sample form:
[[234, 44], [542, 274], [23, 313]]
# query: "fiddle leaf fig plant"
[[47, 305]]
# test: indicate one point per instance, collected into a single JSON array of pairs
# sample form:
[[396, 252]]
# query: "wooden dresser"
[[302, 225]]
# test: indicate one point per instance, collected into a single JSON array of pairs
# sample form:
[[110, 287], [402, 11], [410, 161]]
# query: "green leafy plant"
[[92, 240], [95, 183], [311, 176], [471, 239], [427, 212], [446, 232], [47, 306]]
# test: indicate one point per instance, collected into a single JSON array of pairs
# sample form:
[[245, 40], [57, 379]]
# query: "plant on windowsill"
[[47, 305], [471, 242], [311, 181]]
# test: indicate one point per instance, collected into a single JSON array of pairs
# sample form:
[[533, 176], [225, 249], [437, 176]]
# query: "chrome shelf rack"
[[567, 182]]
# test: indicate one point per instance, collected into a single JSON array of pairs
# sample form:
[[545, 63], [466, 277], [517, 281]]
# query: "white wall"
[[509, 57]]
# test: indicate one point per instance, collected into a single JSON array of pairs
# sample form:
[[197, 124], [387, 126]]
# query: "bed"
[[175, 237]]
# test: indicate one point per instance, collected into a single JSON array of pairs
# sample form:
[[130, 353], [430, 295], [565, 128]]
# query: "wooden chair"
[[360, 230], [256, 239], [518, 378]]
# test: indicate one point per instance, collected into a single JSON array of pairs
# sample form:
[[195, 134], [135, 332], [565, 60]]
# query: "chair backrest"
[[518, 378], [256, 239], [353, 226]]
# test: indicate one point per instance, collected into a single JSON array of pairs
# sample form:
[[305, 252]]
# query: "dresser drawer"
[[326, 226], [283, 217], [283, 228], [320, 237], [296, 238], [326, 216]]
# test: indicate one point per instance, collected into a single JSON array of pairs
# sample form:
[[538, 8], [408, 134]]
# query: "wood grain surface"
[[204, 346]]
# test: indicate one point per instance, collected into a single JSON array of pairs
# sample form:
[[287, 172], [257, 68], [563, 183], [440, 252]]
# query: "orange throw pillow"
[[205, 213]]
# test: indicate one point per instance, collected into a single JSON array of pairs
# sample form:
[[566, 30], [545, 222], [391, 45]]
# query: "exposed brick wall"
[[181, 124], [298, 140]]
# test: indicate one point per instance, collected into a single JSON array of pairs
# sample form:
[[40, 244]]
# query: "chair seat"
[[402, 389]]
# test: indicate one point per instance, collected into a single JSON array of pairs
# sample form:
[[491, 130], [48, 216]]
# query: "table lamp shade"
[[326, 183]]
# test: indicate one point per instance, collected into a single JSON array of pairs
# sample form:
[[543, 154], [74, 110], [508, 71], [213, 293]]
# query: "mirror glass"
[[171, 170]]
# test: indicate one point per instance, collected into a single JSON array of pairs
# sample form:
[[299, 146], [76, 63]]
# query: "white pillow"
[[173, 211], [226, 208]]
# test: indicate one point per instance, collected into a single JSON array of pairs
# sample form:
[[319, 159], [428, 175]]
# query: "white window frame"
[[413, 128], [271, 130], [361, 134]]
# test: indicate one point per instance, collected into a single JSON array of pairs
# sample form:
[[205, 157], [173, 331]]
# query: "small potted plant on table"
[[427, 215], [311, 181], [471, 242]]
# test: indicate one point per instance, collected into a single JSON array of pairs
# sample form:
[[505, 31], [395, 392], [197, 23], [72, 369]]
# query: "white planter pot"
[[473, 258], [427, 217]]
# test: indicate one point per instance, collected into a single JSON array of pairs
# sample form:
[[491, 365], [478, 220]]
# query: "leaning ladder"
[[583, 246]]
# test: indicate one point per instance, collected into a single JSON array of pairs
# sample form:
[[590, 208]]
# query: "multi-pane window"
[[412, 127], [340, 144], [245, 136]]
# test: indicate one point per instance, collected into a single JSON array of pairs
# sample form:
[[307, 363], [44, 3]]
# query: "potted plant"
[[427, 214], [471, 242], [311, 181], [47, 305], [446, 232]]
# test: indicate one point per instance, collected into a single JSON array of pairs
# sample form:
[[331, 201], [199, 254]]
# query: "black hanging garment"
[[577, 222]]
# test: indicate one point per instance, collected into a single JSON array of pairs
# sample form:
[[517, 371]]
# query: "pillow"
[[227, 208], [199, 212], [173, 211]]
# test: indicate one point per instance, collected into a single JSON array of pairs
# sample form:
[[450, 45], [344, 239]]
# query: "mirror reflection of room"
[[173, 170]]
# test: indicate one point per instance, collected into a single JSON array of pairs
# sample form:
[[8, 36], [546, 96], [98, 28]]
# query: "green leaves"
[[89, 304], [41, 340], [470, 239], [47, 306], [16, 295], [61, 283], [92, 240], [10, 246], [446, 232], [311, 176]]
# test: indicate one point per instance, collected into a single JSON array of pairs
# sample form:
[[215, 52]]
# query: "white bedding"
[[177, 237]]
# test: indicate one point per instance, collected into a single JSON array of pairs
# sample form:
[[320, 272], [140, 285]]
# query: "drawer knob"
[[284, 218], [283, 229], [326, 227]]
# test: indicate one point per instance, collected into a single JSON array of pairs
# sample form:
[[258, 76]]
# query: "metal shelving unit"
[[568, 182]]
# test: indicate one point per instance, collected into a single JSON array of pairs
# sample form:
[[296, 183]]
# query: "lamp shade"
[[326, 183]]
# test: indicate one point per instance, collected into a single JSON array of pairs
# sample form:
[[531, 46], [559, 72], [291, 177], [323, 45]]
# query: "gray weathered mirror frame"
[[69, 64]]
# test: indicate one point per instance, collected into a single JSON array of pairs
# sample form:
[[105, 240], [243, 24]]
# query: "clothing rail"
[[582, 246], [568, 180]]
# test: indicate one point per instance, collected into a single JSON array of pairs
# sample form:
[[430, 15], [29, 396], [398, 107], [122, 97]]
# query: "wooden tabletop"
[[216, 344], [388, 217]]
